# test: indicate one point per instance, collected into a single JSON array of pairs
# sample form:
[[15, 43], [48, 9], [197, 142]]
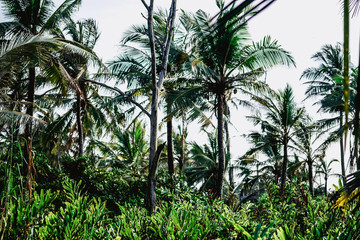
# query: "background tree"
[[280, 120]]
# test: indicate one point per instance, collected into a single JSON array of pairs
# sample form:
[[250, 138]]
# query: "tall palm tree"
[[223, 61], [325, 83], [86, 33], [33, 18], [280, 120]]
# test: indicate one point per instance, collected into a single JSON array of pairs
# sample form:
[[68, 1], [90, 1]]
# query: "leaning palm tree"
[[280, 120], [224, 59], [86, 33], [33, 18]]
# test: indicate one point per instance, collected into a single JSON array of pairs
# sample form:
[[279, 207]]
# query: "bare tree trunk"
[[152, 179], [79, 124], [170, 151], [284, 165], [28, 166], [155, 90], [182, 151], [342, 158], [156, 86], [221, 147], [230, 169], [311, 183]]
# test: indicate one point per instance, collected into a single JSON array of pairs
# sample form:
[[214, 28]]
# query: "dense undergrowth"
[[77, 202]]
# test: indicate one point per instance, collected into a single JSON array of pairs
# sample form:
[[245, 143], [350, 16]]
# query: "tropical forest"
[[181, 134]]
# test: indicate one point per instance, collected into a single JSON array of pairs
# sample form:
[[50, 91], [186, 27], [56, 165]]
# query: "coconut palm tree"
[[326, 82], [303, 144], [128, 150], [202, 167], [224, 60], [280, 120], [324, 168], [86, 33], [33, 18], [267, 144]]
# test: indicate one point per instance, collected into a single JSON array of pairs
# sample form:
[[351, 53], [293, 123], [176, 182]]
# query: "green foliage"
[[23, 216], [80, 218]]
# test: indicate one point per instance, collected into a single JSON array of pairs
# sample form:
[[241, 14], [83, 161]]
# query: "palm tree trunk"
[[182, 151], [79, 124], [221, 147], [346, 82], [28, 165], [152, 180], [284, 165], [230, 169], [342, 158], [170, 151], [356, 120], [311, 183], [326, 180]]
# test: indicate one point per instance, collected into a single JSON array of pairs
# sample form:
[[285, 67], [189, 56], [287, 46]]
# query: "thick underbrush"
[[109, 205]]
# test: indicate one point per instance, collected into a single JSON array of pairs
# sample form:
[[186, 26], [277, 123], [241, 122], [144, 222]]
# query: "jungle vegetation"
[[85, 154]]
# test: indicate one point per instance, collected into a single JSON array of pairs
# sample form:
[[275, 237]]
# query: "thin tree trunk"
[[221, 147], [156, 86], [152, 179], [311, 184], [346, 83], [284, 165], [182, 151], [356, 120], [326, 180], [155, 90], [230, 169], [170, 151], [150, 196], [342, 158], [79, 124], [28, 166]]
